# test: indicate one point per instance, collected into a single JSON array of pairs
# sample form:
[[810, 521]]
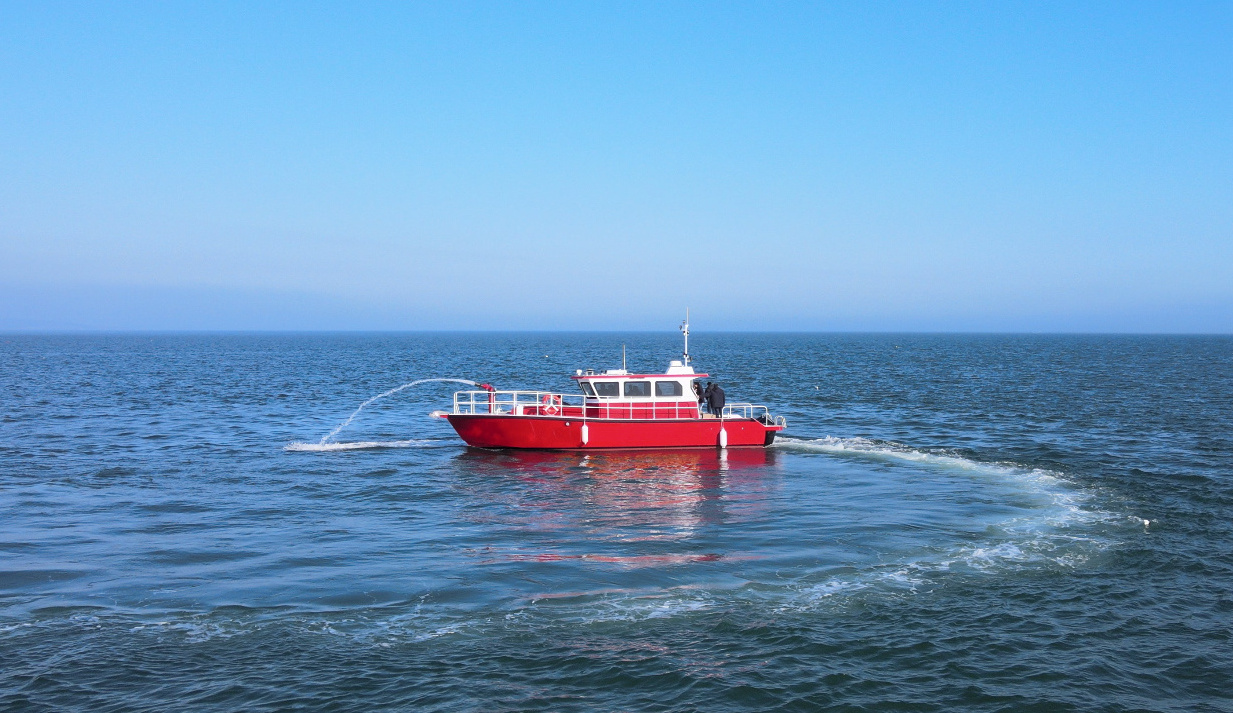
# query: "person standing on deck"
[[716, 400], [706, 395]]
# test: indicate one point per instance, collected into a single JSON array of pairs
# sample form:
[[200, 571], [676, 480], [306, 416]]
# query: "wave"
[[1049, 483], [667, 604], [890, 449], [1054, 485], [356, 445], [1058, 531], [1051, 532]]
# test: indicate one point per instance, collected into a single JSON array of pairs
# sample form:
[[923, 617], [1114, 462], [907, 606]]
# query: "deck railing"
[[754, 411], [551, 403]]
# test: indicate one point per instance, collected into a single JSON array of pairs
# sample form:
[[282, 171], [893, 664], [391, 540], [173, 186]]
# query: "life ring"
[[552, 405]]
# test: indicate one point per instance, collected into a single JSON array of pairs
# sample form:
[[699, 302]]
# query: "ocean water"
[[950, 523]]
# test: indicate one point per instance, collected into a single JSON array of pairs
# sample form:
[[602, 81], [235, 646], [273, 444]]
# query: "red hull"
[[502, 431]]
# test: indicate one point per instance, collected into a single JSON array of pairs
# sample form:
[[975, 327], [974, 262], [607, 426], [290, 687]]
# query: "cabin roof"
[[589, 377]]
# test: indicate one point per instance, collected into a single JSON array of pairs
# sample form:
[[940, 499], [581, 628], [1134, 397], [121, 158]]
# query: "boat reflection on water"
[[648, 462], [618, 496]]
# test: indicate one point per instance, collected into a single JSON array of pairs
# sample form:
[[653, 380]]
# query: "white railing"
[[754, 411], [551, 403], [554, 404], [515, 403]]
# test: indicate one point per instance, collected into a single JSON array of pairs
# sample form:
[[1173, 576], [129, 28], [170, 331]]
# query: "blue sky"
[[855, 166]]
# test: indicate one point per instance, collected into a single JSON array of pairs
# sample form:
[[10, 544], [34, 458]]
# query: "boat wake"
[[1058, 527], [355, 445], [1066, 502], [1045, 524], [1042, 481], [896, 451]]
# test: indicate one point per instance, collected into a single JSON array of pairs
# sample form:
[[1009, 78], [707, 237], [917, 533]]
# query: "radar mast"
[[685, 329]]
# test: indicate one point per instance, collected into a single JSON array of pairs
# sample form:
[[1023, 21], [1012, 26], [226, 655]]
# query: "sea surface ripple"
[[950, 522]]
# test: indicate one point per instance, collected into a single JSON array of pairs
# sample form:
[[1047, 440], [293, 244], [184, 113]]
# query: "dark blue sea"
[[950, 523]]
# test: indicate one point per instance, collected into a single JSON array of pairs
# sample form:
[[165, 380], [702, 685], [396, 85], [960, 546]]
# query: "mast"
[[685, 329]]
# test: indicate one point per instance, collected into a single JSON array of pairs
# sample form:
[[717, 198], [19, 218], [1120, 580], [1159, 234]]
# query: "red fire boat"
[[615, 409]]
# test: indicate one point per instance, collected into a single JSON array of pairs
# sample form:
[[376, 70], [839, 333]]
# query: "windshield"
[[608, 389]]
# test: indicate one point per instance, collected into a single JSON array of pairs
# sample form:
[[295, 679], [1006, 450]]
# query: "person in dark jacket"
[[716, 400], [706, 395]]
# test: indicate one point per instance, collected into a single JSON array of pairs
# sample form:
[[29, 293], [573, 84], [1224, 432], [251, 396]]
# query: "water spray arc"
[[325, 439]]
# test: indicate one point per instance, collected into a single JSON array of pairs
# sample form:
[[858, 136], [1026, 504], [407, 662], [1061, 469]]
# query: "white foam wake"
[[1040, 479], [1045, 482], [354, 445], [1056, 530], [864, 446]]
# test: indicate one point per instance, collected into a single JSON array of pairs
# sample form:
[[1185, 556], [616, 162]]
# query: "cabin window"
[[607, 388], [668, 388], [638, 388], [586, 388]]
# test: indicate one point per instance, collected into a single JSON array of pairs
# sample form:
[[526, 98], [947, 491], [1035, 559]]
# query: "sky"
[[1004, 167]]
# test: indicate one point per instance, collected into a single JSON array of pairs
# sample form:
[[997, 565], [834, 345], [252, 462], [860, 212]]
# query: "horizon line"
[[306, 332]]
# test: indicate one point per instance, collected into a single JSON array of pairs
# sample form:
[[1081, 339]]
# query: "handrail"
[[743, 410], [532, 403], [508, 402], [581, 406], [756, 412]]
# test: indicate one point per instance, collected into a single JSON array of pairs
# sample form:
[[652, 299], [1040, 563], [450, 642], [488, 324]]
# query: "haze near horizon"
[[924, 167]]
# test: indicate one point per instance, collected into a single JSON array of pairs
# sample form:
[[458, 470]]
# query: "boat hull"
[[540, 432]]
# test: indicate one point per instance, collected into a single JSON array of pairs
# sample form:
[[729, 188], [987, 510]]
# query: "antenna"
[[685, 329], [622, 357]]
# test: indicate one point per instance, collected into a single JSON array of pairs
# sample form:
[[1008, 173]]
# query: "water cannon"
[[487, 387]]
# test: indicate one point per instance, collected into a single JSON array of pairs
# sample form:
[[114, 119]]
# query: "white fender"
[[586, 434], [723, 437]]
